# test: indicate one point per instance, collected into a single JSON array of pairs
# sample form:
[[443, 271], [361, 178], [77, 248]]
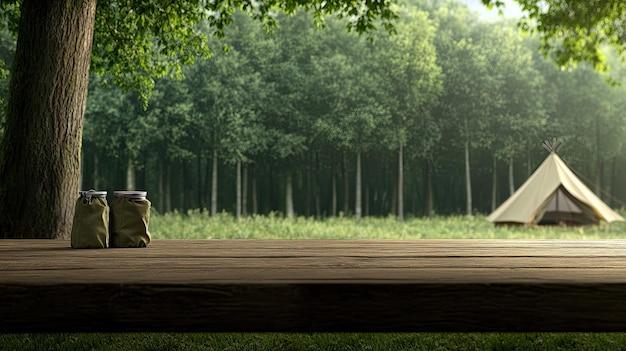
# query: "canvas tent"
[[553, 195]]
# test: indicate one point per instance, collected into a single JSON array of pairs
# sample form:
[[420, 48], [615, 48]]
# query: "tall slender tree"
[[412, 83]]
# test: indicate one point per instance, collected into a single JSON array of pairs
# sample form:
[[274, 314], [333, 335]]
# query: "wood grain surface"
[[315, 285]]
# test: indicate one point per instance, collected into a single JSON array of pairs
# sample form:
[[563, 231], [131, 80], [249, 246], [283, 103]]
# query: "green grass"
[[316, 341], [195, 225]]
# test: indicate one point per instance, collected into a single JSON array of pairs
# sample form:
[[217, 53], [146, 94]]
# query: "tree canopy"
[[134, 42], [574, 31]]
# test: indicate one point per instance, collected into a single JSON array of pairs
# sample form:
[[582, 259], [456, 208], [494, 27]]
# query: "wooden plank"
[[315, 285]]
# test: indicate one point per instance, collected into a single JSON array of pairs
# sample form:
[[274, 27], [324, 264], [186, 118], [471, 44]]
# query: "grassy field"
[[195, 225], [316, 342]]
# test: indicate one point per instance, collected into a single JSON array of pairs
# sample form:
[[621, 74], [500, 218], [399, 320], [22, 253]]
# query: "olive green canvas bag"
[[90, 227], [130, 215]]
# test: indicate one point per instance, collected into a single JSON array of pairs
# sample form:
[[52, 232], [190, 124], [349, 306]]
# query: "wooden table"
[[314, 286]]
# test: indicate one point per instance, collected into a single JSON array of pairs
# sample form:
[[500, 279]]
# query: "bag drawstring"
[[87, 196]]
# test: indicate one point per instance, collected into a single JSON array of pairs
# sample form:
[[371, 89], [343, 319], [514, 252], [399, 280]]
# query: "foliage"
[[7, 50], [136, 42], [572, 32], [139, 41]]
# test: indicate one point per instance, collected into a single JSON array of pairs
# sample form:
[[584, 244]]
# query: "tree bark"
[[612, 185], [309, 187], [168, 187], [333, 205], [333, 209], [244, 192], [255, 200], [468, 181], [185, 185], [528, 166], [316, 188], [40, 152], [81, 177], [511, 178], [367, 199], [430, 200], [289, 195], [346, 186], [598, 163], [357, 192], [214, 185], [161, 204], [599, 179], [394, 199], [238, 190], [199, 181], [401, 183], [96, 173], [130, 174], [494, 184]]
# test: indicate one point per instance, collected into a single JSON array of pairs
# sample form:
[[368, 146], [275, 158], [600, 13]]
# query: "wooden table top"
[[315, 285]]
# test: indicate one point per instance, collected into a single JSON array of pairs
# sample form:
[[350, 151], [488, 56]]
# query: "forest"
[[444, 116]]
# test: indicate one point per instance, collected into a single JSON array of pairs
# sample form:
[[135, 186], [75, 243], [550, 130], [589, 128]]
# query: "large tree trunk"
[[357, 192], [40, 152], [401, 183], [81, 177]]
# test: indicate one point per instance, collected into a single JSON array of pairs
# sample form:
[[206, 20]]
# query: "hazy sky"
[[511, 9]]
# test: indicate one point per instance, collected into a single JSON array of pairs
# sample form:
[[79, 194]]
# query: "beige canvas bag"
[[90, 227], [130, 215]]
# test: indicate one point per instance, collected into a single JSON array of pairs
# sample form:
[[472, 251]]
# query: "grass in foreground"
[[317, 341]]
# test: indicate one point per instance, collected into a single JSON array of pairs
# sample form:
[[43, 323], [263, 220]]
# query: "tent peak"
[[551, 145]]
